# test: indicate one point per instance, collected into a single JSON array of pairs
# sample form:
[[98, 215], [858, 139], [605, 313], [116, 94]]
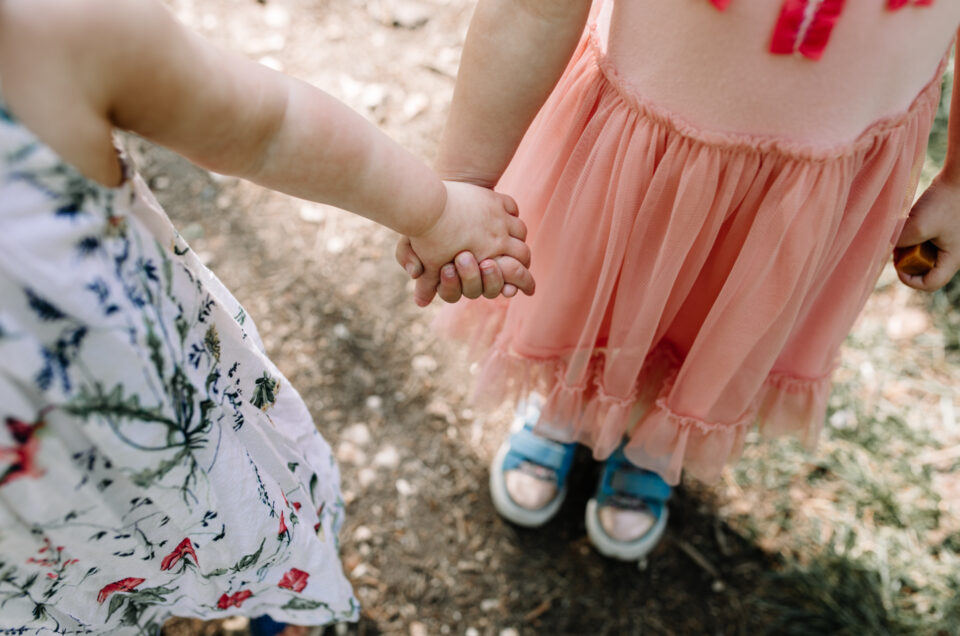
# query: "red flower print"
[[296, 506], [123, 585], [236, 599], [283, 526], [185, 547], [21, 456], [294, 580]]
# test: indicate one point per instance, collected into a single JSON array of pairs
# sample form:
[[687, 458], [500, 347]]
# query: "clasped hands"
[[474, 248]]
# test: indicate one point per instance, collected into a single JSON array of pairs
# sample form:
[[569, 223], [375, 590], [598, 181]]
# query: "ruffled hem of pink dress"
[[690, 284]]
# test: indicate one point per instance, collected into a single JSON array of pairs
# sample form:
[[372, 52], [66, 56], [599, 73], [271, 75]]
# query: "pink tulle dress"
[[707, 219]]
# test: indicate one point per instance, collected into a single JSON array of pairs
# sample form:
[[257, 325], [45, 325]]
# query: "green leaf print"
[[265, 392], [250, 559], [155, 345], [304, 604], [211, 340], [115, 603]]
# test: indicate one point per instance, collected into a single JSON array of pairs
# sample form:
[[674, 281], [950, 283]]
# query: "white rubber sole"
[[623, 550], [507, 507]]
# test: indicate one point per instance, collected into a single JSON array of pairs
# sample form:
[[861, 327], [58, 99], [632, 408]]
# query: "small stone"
[[160, 183], [235, 624], [362, 534], [718, 586], [409, 15], [373, 95], [418, 629], [366, 477], [439, 408], [424, 364], [387, 457], [271, 62], [357, 433], [415, 105], [510, 631], [374, 402], [907, 323], [313, 212], [340, 331], [335, 244], [489, 604], [405, 488], [349, 453], [276, 16], [472, 631]]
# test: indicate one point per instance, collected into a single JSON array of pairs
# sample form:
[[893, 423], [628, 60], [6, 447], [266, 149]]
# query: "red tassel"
[[893, 5], [818, 34], [787, 31]]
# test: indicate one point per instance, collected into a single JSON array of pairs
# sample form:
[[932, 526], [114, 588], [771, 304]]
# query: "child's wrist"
[[433, 209]]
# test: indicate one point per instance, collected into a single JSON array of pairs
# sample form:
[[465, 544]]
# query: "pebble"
[[405, 488], [340, 331], [276, 16], [472, 631], [387, 457], [350, 453], [374, 402], [418, 629], [362, 533], [489, 604], [424, 364], [271, 62], [510, 631], [235, 624], [409, 15], [357, 433], [415, 105], [313, 212], [366, 477]]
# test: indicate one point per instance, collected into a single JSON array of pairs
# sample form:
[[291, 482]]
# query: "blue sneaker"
[[628, 515], [528, 474]]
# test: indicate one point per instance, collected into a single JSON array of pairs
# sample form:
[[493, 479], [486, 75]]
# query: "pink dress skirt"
[[691, 283]]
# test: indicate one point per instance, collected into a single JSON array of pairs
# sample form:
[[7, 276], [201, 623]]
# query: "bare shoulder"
[[59, 60]]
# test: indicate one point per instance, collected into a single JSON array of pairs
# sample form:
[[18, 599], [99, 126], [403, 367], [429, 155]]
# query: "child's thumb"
[[426, 288]]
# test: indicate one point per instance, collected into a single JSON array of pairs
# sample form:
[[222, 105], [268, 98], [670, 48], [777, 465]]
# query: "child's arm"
[[514, 54], [935, 216], [130, 64]]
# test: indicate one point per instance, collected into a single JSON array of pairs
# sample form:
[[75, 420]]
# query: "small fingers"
[[425, 288], [938, 276], [449, 289], [518, 250], [492, 278], [471, 283], [407, 258], [510, 205], [514, 273], [517, 228]]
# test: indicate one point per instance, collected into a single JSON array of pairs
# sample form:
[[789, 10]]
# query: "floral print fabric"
[[153, 461]]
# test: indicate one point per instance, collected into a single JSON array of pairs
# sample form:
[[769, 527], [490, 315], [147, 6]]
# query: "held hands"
[[935, 218], [476, 222]]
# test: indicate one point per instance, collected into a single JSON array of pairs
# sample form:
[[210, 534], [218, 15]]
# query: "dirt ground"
[[422, 545]]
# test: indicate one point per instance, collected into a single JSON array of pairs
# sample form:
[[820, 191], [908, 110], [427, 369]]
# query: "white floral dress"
[[153, 461]]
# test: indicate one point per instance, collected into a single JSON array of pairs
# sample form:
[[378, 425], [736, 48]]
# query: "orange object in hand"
[[915, 260]]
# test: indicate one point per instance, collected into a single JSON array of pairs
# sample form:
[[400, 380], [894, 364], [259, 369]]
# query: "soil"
[[423, 546]]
